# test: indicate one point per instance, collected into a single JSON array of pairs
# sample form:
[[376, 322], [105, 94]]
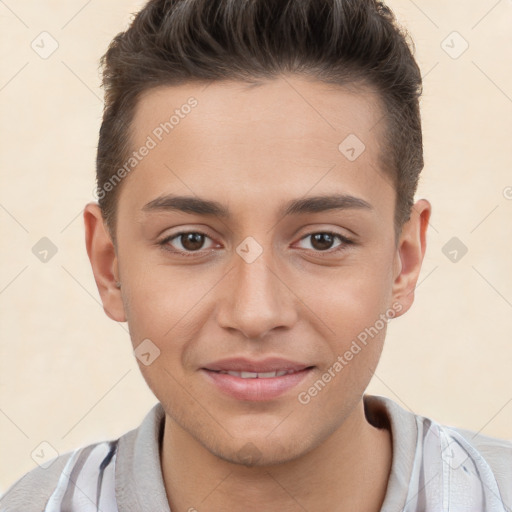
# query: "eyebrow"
[[199, 206]]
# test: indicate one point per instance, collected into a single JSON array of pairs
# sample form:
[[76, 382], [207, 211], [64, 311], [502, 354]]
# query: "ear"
[[103, 258], [409, 254]]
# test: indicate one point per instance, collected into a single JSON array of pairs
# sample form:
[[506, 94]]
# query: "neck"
[[347, 471]]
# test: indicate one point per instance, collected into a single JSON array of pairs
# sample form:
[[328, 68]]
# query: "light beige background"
[[68, 376]]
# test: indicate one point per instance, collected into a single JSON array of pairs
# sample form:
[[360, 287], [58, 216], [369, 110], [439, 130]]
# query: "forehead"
[[282, 137], [287, 107]]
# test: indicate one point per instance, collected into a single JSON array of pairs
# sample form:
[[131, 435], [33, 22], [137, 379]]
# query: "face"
[[249, 241]]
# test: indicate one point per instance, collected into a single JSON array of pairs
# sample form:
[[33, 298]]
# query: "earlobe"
[[410, 252], [103, 258]]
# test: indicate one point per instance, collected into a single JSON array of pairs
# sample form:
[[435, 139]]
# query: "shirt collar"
[[139, 480]]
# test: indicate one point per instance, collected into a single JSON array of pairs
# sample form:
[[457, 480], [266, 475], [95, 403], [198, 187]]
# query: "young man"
[[256, 228]]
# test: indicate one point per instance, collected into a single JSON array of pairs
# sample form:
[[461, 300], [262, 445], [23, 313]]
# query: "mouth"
[[248, 380], [258, 375]]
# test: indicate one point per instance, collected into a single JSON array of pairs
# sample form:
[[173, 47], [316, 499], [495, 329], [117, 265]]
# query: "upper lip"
[[238, 364]]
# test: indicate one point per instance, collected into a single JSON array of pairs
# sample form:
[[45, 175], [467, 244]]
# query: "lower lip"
[[255, 389]]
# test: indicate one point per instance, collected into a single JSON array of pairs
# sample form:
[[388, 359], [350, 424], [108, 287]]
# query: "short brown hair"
[[343, 42]]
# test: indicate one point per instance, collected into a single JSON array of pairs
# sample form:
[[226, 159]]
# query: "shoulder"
[[498, 455], [55, 482], [497, 451], [35, 487], [93, 471], [420, 442]]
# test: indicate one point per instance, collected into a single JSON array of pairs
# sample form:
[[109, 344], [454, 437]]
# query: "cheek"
[[352, 300], [166, 305], [355, 307], [356, 315], [152, 289]]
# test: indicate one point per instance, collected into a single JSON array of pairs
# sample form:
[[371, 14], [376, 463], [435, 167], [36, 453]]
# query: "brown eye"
[[323, 241], [185, 243], [192, 241]]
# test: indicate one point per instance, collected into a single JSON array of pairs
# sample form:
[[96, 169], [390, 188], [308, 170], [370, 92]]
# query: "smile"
[[257, 375], [255, 386]]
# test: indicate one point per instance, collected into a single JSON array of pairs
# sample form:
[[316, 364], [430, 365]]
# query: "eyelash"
[[345, 242]]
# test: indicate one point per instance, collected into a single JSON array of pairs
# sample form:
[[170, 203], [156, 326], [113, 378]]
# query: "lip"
[[255, 389]]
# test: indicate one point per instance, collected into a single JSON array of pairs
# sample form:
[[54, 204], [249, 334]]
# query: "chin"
[[255, 453]]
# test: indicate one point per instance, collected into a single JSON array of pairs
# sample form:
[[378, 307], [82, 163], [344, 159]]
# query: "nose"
[[257, 299]]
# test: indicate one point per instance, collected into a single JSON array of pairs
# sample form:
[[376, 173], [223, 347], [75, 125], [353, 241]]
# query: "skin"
[[253, 149]]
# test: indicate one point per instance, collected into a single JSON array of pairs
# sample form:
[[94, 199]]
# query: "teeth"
[[248, 375], [267, 375], [256, 375]]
